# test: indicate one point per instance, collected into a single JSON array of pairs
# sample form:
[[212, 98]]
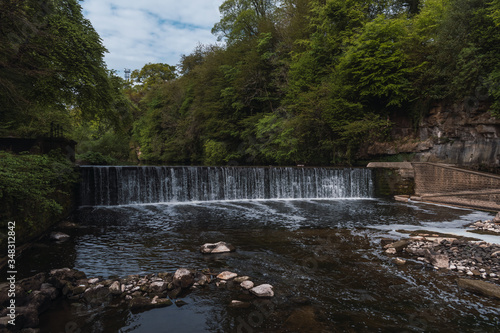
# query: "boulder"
[[398, 246], [115, 288], [480, 287], [437, 260], [59, 236], [263, 290], [227, 275], [50, 290], [97, 295], [220, 247], [201, 279], [240, 279], [183, 278], [60, 277], [143, 303], [168, 277], [33, 282], [158, 287], [93, 280], [173, 294], [80, 289], [247, 284]]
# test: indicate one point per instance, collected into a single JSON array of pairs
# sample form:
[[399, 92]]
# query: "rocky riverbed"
[[139, 293], [476, 263]]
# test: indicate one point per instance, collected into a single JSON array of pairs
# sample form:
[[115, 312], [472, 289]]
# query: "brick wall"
[[445, 184]]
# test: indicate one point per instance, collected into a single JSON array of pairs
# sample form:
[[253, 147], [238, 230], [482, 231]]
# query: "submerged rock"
[[58, 236], [239, 304], [247, 284], [437, 260], [220, 247], [240, 279], [144, 303], [227, 275], [263, 290], [481, 287]]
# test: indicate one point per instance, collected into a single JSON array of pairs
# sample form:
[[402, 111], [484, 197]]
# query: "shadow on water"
[[322, 256]]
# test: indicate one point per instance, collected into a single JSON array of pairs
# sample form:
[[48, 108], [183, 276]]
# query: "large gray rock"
[[183, 278], [247, 284], [158, 287], [220, 247], [263, 290], [437, 260], [226, 275], [115, 288], [97, 295]]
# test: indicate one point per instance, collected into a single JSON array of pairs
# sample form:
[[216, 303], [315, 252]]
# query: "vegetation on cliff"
[[309, 81]]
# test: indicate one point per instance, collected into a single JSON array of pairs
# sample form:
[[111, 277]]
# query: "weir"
[[125, 185]]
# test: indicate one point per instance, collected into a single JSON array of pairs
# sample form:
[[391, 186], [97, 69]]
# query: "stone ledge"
[[390, 165]]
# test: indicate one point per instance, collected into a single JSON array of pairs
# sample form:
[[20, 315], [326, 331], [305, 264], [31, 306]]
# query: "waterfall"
[[123, 185]]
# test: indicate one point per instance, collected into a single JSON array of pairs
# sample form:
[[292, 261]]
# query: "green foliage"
[[153, 74], [37, 181], [242, 19], [215, 153], [95, 158], [376, 65], [50, 59], [315, 81]]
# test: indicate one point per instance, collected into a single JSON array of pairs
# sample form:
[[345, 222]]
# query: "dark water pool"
[[322, 256]]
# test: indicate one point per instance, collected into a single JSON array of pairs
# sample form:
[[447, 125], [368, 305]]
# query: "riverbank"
[[25, 300], [464, 256]]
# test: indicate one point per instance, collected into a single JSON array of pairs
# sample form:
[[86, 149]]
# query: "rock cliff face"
[[456, 134]]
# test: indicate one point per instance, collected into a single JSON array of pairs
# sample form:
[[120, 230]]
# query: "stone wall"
[[451, 185], [393, 178]]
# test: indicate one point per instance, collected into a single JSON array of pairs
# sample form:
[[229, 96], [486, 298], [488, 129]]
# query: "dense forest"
[[292, 81]]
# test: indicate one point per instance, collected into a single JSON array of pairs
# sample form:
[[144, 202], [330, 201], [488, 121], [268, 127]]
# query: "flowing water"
[[312, 233]]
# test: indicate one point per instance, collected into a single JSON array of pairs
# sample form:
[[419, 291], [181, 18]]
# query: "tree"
[[243, 18], [51, 58], [153, 74], [376, 65]]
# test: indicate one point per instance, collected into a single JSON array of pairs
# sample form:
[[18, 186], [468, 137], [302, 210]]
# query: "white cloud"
[[136, 32]]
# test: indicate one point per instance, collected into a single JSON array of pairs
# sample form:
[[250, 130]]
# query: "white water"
[[109, 186]]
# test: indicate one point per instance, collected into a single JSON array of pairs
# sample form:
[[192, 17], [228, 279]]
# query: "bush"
[[95, 158], [34, 190]]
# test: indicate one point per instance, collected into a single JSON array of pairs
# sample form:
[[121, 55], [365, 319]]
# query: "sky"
[[137, 32]]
